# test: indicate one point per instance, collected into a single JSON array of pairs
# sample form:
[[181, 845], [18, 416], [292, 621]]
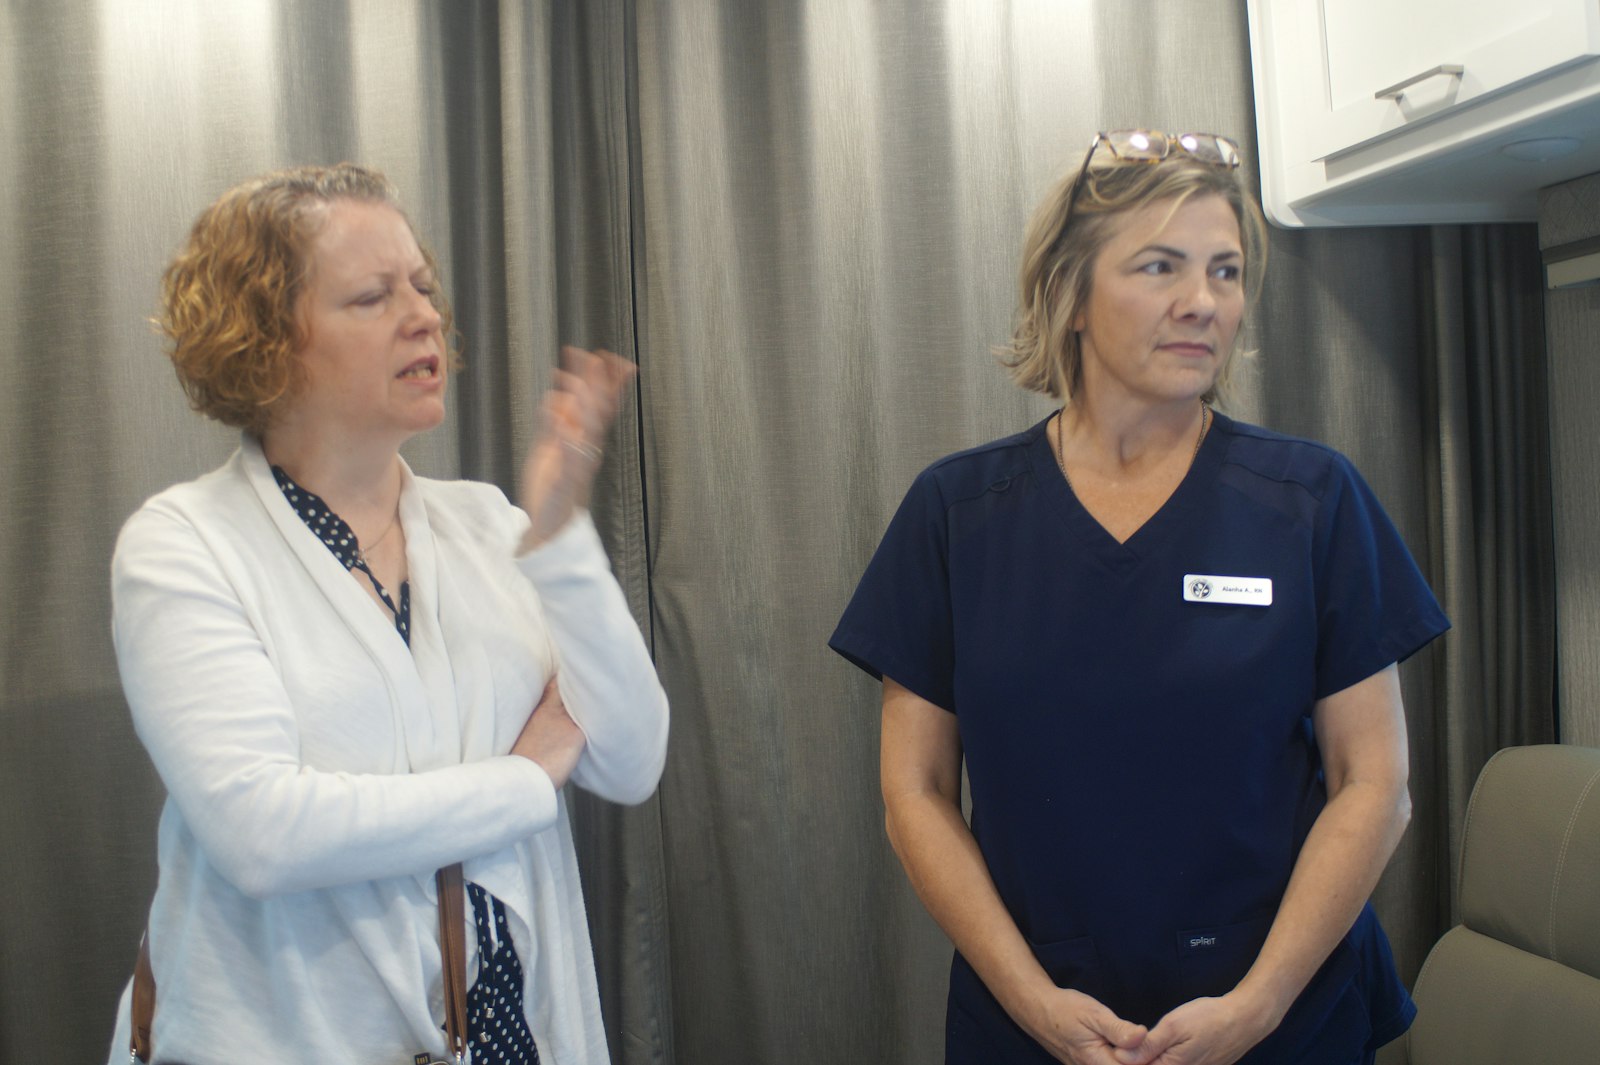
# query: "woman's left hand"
[[561, 462], [1206, 1031]]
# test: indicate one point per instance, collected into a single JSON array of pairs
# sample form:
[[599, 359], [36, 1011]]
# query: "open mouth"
[[422, 369]]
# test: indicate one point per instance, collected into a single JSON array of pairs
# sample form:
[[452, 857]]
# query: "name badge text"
[[1240, 591]]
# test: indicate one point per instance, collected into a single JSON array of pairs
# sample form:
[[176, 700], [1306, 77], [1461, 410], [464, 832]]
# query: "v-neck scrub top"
[[1142, 764]]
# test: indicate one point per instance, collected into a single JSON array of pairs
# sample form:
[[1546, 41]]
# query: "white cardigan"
[[318, 771]]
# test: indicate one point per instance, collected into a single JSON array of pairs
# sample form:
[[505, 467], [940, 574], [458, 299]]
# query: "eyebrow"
[[1179, 254], [389, 276]]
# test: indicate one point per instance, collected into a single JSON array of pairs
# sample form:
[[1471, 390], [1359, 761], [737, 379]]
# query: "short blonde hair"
[[1043, 354], [230, 297]]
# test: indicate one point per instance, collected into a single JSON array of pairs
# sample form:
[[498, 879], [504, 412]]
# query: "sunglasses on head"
[[1131, 147], [1152, 146]]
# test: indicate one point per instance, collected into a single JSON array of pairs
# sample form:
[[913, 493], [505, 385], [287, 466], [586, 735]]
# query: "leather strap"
[[453, 947], [144, 1002]]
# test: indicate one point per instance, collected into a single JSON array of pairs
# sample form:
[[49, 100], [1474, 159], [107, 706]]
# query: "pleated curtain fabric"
[[803, 220]]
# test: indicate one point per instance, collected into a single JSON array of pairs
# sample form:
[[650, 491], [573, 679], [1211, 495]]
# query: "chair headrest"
[[1530, 862]]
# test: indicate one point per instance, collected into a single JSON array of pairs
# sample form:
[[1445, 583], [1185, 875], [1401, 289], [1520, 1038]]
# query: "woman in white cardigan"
[[349, 676]]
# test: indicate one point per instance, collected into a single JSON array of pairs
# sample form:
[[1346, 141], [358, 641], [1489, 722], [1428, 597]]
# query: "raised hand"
[[573, 418]]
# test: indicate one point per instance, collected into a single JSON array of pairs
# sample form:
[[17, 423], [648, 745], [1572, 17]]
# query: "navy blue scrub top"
[[1142, 765]]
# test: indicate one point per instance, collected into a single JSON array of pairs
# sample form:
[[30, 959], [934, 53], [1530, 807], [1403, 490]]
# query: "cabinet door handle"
[[1398, 89]]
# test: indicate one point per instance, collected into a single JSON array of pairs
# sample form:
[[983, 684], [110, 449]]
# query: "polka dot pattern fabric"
[[341, 540], [495, 1018], [497, 1028]]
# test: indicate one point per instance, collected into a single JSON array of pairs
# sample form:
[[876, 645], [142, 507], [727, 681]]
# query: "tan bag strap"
[[144, 1003], [452, 946]]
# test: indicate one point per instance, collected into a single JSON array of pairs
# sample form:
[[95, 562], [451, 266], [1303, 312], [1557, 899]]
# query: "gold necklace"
[[394, 518], [1061, 439]]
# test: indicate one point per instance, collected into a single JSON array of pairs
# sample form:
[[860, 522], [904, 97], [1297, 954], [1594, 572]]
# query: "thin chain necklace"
[[362, 552], [1061, 439]]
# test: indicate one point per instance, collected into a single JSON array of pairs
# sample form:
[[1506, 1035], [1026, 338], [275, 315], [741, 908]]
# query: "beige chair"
[[1517, 982]]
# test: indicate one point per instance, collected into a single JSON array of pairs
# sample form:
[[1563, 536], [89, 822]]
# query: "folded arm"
[[212, 710], [606, 676]]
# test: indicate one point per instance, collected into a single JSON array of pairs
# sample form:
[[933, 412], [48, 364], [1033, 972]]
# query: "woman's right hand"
[[1079, 1030], [550, 738]]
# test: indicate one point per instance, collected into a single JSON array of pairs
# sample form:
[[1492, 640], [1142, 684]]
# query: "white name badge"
[[1210, 588]]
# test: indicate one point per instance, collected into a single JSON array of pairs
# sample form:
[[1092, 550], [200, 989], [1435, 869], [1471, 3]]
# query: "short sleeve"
[[898, 622], [1373, 605]]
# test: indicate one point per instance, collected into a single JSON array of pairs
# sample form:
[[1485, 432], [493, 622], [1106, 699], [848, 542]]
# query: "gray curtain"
[[1491, 526], [1420, 354], [802, 218]]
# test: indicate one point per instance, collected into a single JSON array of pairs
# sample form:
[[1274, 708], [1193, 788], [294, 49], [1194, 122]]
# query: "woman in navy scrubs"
[[1165, 644]]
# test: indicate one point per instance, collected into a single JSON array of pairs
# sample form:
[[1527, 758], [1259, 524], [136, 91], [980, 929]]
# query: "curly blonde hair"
[[230, 296], [1044, 354]]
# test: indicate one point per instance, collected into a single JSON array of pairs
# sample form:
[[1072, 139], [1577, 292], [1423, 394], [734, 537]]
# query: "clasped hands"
[[1079, 1030]]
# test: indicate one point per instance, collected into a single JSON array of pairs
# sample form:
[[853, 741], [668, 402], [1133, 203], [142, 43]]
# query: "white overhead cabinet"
[[1375, 112]]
